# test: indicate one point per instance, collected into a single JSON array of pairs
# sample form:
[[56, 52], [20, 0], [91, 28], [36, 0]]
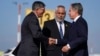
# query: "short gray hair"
[[77, 6], [60, 6], [37, 4]]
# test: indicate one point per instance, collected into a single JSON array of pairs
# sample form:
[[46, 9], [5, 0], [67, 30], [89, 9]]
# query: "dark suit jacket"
[[78, 36], [31, 35], [50, 29]]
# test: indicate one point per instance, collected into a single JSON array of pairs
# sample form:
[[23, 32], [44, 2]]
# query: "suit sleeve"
[[35, 29], [46, 30], [61, 42], [82, 36]]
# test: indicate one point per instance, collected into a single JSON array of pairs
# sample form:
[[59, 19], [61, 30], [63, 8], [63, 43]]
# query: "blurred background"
[[10, 24]]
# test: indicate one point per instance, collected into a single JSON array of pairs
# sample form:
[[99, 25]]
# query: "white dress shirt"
[[62, 25], [63, 28], [76, 18]]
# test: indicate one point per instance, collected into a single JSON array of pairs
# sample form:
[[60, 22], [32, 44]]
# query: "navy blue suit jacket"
[[77, 39]]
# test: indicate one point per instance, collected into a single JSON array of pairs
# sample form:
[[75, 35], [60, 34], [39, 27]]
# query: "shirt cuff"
[[68, 46], [56, 41]]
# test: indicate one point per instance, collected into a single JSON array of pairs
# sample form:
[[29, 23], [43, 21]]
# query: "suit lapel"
[[55, 27], [66, 28], [79, 19]]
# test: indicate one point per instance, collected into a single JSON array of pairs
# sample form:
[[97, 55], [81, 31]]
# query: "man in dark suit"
[[58, 29], [31, 33], [78, 33]]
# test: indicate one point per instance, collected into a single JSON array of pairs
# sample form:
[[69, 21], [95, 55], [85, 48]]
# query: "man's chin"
[[72, 18], [40, 16]]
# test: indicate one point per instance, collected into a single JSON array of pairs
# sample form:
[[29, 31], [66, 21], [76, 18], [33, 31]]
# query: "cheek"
[[38, 12], [63, 15], [69, 14], [42, 11], [57, 15], [72, 14]]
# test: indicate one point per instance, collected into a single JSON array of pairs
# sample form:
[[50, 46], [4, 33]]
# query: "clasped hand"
[[51, 41]]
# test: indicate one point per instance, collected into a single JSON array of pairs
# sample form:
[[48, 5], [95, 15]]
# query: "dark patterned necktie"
[[60, 30]]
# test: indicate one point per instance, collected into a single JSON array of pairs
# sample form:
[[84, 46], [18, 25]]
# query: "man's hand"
[[52, 41], [65, 48]]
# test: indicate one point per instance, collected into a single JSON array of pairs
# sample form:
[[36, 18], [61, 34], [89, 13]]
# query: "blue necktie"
[[60, 30]]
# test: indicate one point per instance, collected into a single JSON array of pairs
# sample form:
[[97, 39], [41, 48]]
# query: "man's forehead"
[[61, 9]]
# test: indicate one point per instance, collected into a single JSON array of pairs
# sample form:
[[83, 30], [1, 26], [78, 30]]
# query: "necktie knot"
[[73, 22], [60, 23]]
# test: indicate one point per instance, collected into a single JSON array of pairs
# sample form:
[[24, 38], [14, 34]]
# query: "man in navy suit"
[[78, 34]]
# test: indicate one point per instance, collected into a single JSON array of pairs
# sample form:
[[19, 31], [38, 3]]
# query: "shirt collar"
[[76, 18], [59, 20]]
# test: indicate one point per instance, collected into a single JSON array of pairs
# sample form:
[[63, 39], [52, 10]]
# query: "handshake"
[[52, 41]]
